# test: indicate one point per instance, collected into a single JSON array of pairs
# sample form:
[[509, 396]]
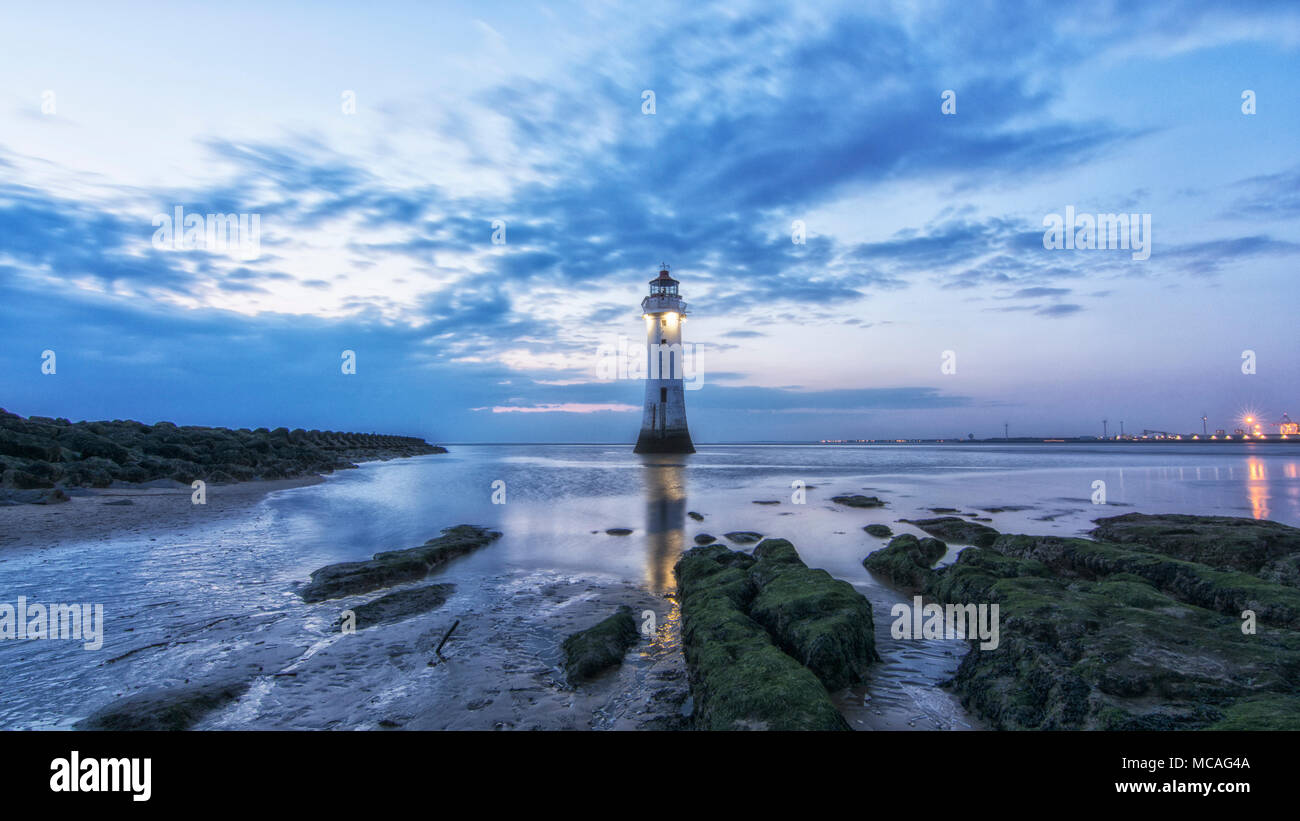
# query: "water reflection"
[[665, 518], [1257, 488]]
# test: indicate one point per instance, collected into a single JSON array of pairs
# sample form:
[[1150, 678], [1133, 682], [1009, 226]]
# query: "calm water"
[[204, 592]]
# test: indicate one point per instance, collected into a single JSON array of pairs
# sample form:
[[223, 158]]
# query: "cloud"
[[564, 407], [762, 118]]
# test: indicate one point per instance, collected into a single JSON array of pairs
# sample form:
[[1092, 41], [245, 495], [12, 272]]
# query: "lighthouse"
[[663, 423]]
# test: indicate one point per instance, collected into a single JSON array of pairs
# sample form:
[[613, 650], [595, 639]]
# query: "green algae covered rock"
[[596, 649], [402, 604], [1227, 592], [395, 566], [39, 452], [953, 529], [765, 635], [1100, 636], [176, 708], [817, 619], [1262, 548], [905, 563], [740, 679], [857, 500]]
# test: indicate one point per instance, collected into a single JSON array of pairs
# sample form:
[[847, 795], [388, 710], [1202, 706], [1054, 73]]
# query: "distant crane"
[[1105, 432], [1006, 431], [1257, 427]]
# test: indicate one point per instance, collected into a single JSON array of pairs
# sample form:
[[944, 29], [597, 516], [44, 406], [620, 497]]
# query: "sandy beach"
[[107, 513]]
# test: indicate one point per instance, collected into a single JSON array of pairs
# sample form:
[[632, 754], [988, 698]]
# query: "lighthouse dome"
[[663, 284]]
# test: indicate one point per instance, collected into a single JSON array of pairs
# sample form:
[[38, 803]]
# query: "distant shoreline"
[[1026, 440], [43, 453]]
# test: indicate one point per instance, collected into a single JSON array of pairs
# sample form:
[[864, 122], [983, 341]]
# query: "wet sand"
[[501, 669], [99, 513]]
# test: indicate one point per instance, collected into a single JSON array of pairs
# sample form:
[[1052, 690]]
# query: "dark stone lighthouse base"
[[673, 441]]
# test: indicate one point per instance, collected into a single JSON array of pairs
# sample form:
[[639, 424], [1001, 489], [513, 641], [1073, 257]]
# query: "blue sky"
[[924, 230]]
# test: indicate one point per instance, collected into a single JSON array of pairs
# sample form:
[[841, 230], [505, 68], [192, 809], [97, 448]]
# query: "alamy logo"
[[235, 234], [953, 621], [77, 774], [1098, 232], [55, 621], [624, 360]]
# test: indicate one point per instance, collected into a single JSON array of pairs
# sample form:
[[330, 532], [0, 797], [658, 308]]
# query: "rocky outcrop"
[[40, 452], [954, 530], [596, 649], [879, 531], [401, 604], [764, 636], [177, 708], [906, 562], [857, 500], [1098, 635], [1262, 548], [395, 566], [1227, 592], [821, 621]]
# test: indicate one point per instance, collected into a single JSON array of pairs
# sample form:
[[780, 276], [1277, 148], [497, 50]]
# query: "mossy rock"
[[821, 621], [1263, 713], [765, 635], [402, 604], [97, 452], [1262, 548], [177, 708], [596, 649], [879, 531], [906, 562], [740, 679], [858, 500], [1227, 592], [953, 529], [1098, 636], [396, 566]]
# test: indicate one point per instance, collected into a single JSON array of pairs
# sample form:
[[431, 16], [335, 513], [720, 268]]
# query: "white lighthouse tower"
[[663, 424]]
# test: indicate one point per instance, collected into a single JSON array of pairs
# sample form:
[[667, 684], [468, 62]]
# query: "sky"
[[472, 197]]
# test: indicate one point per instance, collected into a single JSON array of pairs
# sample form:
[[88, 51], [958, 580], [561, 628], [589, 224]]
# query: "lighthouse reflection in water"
[[665, 518]]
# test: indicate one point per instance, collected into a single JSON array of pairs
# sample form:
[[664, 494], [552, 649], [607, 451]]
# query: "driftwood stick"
[[446, 636]]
